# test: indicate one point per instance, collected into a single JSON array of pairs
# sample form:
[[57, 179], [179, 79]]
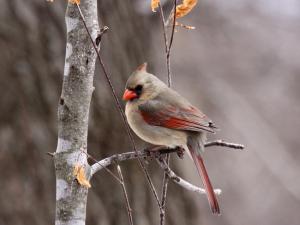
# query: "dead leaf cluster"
[[181, 10]]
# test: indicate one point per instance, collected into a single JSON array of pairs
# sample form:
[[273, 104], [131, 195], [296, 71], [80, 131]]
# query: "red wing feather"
[[171, 117]]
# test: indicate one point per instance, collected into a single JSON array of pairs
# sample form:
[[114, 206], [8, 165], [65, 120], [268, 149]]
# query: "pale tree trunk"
[[73, 113]]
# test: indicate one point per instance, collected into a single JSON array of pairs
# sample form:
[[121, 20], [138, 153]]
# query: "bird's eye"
[[138, 89]]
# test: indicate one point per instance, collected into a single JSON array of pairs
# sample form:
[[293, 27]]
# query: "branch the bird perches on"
[[117, 158]]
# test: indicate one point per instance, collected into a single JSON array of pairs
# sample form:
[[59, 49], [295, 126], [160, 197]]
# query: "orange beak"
[[129, 95]]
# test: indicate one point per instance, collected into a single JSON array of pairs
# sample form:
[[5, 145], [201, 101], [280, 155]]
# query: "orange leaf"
[[79, 173], [154, 5], [77, 2], [184, 8]]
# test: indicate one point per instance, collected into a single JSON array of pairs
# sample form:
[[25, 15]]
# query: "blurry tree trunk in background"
[[73, 113]]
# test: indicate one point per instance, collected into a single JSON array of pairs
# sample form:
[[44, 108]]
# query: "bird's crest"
[[142, 67]]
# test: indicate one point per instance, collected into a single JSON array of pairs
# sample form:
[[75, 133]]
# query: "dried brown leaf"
[[77, 2], [184, 8], [79, 173], [154, 5]]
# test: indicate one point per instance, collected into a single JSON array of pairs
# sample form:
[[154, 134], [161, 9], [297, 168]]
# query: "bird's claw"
[[158, 151], [180, 152], [153, 151]]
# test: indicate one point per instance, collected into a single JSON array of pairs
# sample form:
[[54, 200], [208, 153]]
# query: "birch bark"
[[73, 113]]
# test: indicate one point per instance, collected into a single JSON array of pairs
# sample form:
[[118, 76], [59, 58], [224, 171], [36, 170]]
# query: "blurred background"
[[240, 66]]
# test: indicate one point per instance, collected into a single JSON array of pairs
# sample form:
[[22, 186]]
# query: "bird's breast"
[[156, 135]]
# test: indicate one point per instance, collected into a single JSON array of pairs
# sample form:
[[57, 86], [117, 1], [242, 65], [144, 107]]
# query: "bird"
[[162, 117]]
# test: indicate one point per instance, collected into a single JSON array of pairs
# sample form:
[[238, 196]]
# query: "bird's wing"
[[175, 115]]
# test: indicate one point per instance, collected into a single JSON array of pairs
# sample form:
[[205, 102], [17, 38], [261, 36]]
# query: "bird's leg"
[[180, 151]]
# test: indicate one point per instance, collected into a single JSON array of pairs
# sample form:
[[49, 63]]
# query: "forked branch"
[[181, 182], [117, 158]]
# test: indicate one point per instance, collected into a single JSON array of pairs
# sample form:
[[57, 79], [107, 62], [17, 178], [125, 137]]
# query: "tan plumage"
[[160, 116]]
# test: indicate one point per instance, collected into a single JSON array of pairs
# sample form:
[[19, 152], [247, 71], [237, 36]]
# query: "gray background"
[[240, 66]]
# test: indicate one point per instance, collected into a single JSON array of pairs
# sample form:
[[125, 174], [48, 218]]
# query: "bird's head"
[[142, 85]]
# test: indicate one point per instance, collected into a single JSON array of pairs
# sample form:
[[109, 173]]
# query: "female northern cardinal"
[[160, 116]]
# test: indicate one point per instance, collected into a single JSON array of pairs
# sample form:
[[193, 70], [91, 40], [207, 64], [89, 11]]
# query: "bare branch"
[[96, 162], [125, 196], [99, 37], [167, 46], [116, 158], [107, 76], [181, 182], [173, 28], [165, 178], [52, 154], [144, 153], [134, 155], [222, 143], [164, 194], [168, 63], [141, 154]]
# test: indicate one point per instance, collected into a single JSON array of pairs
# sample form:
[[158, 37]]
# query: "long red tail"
[[212, 199]]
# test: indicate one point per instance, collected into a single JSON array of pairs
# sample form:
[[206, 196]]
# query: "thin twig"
[[164, 193], [129, 210], [168, 63], [141, 163], [222, 143], [52, 154], [181, 182], [162, 17], [99, 37], [125, 156], [102, 167], [173, 28]]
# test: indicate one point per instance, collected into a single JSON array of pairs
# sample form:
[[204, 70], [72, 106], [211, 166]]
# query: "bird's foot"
[[180, 152], [154, 151], [158, 150]]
